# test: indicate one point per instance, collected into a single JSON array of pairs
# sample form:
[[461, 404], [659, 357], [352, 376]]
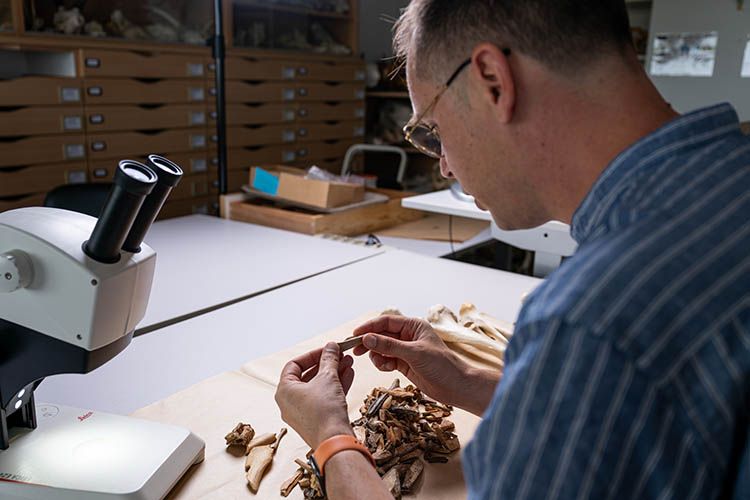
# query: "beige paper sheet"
[[213, 407], [436, 227]]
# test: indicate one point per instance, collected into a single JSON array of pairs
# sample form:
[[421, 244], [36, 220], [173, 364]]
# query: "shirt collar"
[[685, 132]]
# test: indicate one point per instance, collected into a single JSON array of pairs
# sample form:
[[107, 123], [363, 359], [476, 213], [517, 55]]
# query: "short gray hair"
[[564, 35]]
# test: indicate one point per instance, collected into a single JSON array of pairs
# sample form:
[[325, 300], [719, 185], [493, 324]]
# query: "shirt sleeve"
[[574, 418]]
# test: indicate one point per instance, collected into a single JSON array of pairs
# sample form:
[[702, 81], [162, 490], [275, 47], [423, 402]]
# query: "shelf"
[[638, 3], [389, 94], [290, 9], [31, 39]]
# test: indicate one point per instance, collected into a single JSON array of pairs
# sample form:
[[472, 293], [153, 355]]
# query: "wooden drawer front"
[[40, 91], [238, 158], [191, 163], [237, 178], [330, 72], [38, 178], [189, 206], [239, 92], [246, 68], [42, 149], [113, 118], [261, 135], [322, 111], [321, 150], [121, 144], [327, 92], [41, 120], [190, 187], [245, 114], [126, 91], [31, 200], [326, 131], [96, 63]]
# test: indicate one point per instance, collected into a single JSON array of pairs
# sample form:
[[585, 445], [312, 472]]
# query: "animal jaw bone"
[[470, 317], [259, 459], [446, 325]]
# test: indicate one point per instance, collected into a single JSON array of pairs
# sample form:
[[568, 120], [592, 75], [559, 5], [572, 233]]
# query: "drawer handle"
[[303, 132], [95, 91], [211, 66], [75, 151], [302, 92], [302, 152], [70, 94], [303, 112], [359, 94], [359, 75], [212, 91], [96, 119], [302, 71], [359, 113], [359, 131], [72, 123], [214, 115], [214, 161], [93, 62], [98, 146]]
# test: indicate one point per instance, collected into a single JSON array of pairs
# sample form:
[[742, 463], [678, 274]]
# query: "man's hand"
[[411, 346], [312, 394]]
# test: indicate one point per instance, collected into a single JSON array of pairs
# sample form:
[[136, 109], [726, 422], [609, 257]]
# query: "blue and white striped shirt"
[[629, 373]]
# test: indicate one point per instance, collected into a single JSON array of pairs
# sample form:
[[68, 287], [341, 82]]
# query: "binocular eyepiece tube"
[[137, 195], [169, 175]]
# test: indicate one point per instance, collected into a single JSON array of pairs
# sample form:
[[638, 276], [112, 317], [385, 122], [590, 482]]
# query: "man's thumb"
[[388, 346], [329, 359]]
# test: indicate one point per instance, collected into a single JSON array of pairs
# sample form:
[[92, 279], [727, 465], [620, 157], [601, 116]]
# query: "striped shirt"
[[629, 374]]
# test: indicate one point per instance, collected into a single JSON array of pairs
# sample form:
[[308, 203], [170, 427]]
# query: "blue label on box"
[[265, 182]]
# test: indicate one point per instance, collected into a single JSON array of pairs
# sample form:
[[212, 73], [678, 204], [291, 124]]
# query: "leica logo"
[[84, 417]]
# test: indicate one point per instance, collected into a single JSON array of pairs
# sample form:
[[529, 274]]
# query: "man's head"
[[534, 66]]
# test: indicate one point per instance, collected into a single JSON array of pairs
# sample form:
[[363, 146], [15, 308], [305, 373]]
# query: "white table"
[[175, 357], [550, 242], [433, 248], [206, 262]]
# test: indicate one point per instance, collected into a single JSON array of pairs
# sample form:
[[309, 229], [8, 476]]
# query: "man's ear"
[[493, 77]]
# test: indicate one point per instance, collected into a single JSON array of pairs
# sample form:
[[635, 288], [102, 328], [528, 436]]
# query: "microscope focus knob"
[[16, 271]]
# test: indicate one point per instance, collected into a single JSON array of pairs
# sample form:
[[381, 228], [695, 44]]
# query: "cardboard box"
[[289, 183]]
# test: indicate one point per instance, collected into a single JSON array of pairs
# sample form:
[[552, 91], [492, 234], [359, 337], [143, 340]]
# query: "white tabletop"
[[175, 357], [444, 202], [203, 262]]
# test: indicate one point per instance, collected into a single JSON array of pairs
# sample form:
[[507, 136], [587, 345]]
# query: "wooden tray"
[[349, 223]]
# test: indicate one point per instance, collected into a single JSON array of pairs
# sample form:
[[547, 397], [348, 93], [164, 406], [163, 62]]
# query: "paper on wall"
[[684, 54], [746, 60]]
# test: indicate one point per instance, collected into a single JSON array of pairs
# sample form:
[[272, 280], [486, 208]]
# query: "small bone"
[[350, 343], [289, 484], [260, 441]]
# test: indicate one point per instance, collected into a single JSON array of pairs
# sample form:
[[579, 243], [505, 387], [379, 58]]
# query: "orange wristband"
[[336, 444]]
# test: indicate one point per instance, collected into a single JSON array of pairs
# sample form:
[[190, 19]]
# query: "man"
[[628, 375]]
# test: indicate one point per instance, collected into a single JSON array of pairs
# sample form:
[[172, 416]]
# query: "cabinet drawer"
[[41, 120], [121, 144], [42, 149], [190, 187], [321, 150], [240, 91], [331, 164], [237, 178], [330, 92], [238, 158], [249, 68], [114, 118], [178, 208], [247, 114], [95, 63], [38, 178], [31, 200], [191, 164], [128, 91], [327, 131], [261, 135], [40, 91], [330, 71]]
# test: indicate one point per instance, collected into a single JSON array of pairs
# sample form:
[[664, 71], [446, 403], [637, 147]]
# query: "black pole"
[[221, 122]]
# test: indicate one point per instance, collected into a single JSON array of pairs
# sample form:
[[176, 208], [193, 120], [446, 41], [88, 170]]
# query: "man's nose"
[[444, 170]]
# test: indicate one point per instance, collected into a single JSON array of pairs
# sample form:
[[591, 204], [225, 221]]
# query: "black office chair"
[[82, 198]]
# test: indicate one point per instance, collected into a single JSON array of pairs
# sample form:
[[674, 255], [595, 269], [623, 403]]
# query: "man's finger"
[[310, 374], [383, 324], [347, 378], [329, 360], [391, 347], [294, 369]]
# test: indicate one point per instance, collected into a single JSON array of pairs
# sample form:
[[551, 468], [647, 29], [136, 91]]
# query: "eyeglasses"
[[425, 137]]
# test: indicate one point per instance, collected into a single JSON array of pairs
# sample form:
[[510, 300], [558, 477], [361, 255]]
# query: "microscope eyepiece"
[[169, 175], [133, 181]]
